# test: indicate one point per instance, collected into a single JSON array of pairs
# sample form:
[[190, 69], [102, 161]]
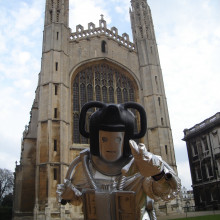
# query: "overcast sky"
[[188, 38]]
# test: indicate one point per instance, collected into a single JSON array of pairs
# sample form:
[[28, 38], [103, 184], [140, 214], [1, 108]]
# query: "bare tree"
[[6, 182]]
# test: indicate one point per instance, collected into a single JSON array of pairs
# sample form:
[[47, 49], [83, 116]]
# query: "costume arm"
[[161, 182], [68, 192], [167, 188]]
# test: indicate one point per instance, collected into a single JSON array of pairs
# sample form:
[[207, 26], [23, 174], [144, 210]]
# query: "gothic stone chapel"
[[93, 63]]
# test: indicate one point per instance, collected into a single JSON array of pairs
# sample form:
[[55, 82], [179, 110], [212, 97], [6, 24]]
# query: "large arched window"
[[99, 82]]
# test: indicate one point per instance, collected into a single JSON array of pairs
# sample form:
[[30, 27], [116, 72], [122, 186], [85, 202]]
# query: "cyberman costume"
[[117, 179]]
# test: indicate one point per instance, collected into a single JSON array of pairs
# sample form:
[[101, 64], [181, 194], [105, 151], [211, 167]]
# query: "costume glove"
[[147, 163]]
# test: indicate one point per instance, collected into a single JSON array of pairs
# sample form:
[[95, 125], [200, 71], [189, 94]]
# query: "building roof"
[[201, 127]]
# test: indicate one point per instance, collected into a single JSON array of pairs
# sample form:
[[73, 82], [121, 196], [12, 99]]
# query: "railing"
[[93, 31]]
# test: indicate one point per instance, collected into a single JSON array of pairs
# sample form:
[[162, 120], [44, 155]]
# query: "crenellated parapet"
[[102, 30]]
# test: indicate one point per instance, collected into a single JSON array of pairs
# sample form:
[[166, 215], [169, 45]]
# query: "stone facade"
[[93, 63], [203, 146]]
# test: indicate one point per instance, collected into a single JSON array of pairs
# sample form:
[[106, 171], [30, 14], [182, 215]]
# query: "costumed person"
[[117, 178]]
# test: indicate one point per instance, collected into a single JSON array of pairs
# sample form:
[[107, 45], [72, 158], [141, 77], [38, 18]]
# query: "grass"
[[207, 217]]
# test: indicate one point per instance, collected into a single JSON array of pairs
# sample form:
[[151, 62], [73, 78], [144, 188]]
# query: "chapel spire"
[[141, 20], [57, 11]]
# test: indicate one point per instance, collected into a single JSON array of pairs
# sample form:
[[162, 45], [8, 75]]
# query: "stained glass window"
[[99, 82]]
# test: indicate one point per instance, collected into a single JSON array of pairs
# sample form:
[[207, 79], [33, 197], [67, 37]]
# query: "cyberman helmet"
[[113, 118]]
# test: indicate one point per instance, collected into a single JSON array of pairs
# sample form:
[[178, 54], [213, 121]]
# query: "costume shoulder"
[[79, 178]]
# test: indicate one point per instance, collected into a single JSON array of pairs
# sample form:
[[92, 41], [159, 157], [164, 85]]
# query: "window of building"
[[211, 197], [198, 173], [55, 89], [166, 149], [200, 199], [162, 121], [215, 139], [99, 82], [194, 149], [104, 47], [58, 14], [159, 101], [156, 81], [55, 113], [204, 171], [209, 170], [141, 32], [55, 145], [56, 66], [51, 16], [55, 173], [205, 144], [199, 145]]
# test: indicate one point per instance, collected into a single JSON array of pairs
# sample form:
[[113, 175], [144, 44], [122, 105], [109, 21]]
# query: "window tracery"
[[99, 82]]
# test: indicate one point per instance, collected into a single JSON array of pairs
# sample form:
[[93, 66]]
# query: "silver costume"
[[119, 189]]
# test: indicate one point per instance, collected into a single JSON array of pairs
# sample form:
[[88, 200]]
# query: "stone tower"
[[154, 98], [53, 89], [90, 64]]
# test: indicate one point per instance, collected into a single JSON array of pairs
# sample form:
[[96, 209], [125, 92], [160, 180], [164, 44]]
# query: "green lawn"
[[207, 217]]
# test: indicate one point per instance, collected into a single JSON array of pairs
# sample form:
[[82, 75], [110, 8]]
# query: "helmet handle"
[[84, 110], [143, 118]]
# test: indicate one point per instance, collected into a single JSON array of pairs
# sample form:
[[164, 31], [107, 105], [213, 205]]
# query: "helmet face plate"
[[111, 145]]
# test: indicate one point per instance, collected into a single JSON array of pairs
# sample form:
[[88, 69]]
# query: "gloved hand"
[[68, 193], [147, 163]]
